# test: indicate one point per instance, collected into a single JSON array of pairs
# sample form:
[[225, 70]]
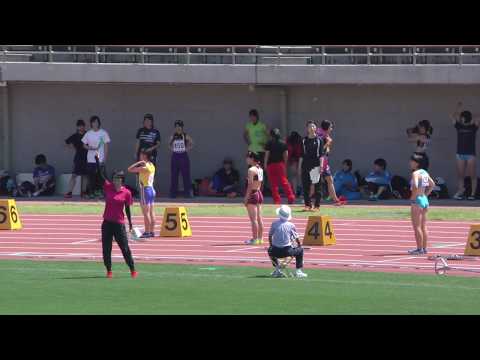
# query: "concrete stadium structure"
[[371, 106]]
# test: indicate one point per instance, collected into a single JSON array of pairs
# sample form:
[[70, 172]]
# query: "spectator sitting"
[[226, 181], [43, 177], [345, 182], [378, 181]]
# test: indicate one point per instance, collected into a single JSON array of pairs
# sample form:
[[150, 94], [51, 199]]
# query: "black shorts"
[[80, 168]]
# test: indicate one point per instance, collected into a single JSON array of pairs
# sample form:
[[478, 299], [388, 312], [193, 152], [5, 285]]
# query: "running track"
[[362, 245]]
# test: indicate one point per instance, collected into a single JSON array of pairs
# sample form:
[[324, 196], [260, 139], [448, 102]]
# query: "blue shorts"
[[147, 195], [465, 157], [421, 201]]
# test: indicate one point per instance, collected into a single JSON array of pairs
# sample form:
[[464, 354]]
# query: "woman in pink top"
[[117, 197]]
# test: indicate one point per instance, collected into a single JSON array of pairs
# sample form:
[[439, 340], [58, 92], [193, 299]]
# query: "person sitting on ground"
[[43, 177], [226, 181], [345, 182], [284, 242], [378, 181]]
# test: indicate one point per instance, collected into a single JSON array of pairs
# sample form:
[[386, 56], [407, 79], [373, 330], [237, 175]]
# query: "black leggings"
[[112, 230], [95, 181], [306, 182], [276, 253]]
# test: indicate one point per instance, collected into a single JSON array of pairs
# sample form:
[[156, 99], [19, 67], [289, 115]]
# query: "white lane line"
[[84, 241], [244, 249]]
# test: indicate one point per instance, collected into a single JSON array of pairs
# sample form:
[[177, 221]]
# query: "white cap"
[[284, 212]]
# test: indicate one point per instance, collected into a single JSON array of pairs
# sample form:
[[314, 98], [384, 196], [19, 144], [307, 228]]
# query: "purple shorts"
[[147, 195]]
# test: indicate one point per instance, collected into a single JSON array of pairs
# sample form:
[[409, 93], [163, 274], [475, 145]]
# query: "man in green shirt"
[[256, 134]]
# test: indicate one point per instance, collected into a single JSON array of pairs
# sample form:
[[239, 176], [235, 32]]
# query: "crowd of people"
[[295, 165]]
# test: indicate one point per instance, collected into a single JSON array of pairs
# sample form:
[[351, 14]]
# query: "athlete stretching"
[[146, 171]]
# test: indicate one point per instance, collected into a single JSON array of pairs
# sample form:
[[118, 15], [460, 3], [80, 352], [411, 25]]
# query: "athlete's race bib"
[[260, 174], [179, 146]]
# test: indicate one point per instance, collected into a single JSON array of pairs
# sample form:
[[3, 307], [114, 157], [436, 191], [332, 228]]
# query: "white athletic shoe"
[[459, 196], [300, 274], [250, 242], [278, 274]]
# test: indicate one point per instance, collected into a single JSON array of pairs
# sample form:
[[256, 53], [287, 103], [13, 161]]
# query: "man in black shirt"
[[312, 150], [467, 128], [148, 138], [80, 159]]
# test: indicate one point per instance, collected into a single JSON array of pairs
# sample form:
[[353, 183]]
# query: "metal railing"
[[245, 54]]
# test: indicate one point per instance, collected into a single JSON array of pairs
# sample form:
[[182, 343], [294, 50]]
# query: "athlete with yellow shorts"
[[146, 171]]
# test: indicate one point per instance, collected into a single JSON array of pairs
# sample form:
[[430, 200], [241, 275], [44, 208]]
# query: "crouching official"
[[284, 242]]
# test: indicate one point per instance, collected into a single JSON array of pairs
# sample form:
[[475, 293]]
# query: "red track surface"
[[374, 245]]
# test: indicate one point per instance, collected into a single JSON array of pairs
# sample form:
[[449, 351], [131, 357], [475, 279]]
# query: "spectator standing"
[[256, 137], [467, 128], [276, 158], [420, 135], [80, 158], [148, 139], [95, 139], [294, 144], [180, 145]]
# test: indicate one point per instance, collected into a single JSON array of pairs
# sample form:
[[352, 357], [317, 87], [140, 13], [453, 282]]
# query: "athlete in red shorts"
[[254, 198]]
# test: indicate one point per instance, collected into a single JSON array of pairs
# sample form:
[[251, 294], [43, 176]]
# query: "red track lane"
[[362, 245]]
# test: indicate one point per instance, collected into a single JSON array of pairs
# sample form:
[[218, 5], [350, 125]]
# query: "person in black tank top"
[[312, 150], [467, 127], [180, 144]]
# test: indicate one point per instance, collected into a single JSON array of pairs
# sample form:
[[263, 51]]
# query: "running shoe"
[[459, 196], [373, 198], [250, 242], [471, 197], [152, 235], [278, 274], [109, 275], [145, 235], [416, 252], [425, 251], [68, 195], [259, 242], [36, 193], [316, 208], [300, 274], [134, 274]]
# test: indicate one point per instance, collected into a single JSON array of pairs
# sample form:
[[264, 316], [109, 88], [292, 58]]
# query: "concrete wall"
[[370, 120], [44, 115]]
